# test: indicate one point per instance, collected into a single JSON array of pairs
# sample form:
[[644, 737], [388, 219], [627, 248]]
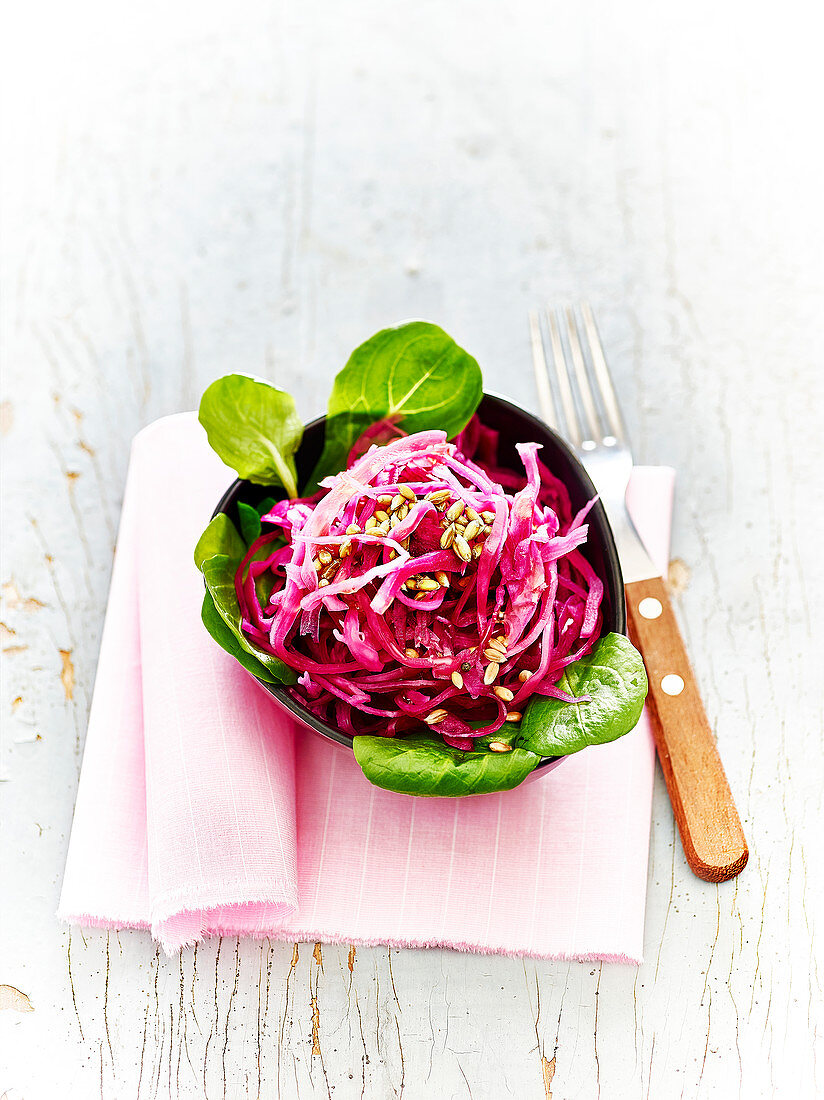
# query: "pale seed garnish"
[[346, 549], [447, 538], [442, 578], [456, 510], [504, 694], [488, 517], [477, 550], [421, 595], [353, 529], [411, 582], [439, 496], [497, 643], [392, 555], [382, 528], [461, 547], [457, 680], [513, 716], [472, 530], [495, 655], [411, 652], [405, 491], [428, 584], [490, 672], [385, 500], [524, 675], [499, 746], [471, 514], [403, 511], [322, 583], [324, 556], [397, 501], [381, 516], [436, 716], [371, 524]]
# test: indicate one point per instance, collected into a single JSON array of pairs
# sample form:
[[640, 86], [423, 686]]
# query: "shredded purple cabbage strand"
[[424, 584]]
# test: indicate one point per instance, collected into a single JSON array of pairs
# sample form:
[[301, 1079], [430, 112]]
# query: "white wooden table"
[[190, 189]]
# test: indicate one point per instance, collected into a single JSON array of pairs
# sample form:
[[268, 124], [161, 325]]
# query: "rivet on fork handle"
[[708, 821]]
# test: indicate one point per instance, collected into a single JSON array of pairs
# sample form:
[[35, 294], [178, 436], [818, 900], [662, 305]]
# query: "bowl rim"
[[280, 694]]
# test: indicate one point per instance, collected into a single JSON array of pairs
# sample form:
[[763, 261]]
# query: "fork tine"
[[581, 376], [573, 424], [545, 401], [615, 421]]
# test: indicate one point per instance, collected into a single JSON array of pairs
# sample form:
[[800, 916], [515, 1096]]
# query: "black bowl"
[[514, 426]]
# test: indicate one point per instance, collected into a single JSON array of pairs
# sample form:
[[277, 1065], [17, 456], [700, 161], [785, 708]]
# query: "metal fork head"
[[576, 395]]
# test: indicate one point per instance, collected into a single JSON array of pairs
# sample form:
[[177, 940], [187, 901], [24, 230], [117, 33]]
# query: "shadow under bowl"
[[514, 425]]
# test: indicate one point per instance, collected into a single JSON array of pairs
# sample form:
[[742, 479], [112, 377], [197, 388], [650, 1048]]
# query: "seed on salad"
[[324, 556], [477, 550], [405, 491], [524, 676], [411, 582], [504, 694], [457, 680], [439, 496], [497, 643], [353, 529], [466, 666], [471, 514], [499, 746], [448, 537], [472, 529], [346, 549], [381, 516], [488, 517], [428, 584], [494, 655], [442, 578], [322, 583], [392, 555], [436, 716], [490, 672], [410, 651], [513, 716], [456, 510], [461, 547], [371, 524]]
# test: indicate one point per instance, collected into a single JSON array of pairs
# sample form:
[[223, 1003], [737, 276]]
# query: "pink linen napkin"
[[202, 810]]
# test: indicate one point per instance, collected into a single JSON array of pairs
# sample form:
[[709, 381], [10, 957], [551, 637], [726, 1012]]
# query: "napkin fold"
[[203, 810]]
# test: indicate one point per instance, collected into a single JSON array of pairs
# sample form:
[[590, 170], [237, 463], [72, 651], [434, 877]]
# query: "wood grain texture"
[[702, 801], [188, 191]]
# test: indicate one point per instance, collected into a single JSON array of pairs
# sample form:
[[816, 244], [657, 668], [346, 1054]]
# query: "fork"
[[702, 802]]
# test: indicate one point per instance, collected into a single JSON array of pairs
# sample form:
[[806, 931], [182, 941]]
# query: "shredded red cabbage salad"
[[424, 584]]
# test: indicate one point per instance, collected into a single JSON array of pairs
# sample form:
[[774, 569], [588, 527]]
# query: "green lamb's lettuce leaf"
[[220, 537], [613, 677], [420, 764], [219, 574], [250, 525], [255, 429], [218, 555], [415, 375]]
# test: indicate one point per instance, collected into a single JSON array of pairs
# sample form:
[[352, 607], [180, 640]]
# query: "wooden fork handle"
[[708, 821]]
